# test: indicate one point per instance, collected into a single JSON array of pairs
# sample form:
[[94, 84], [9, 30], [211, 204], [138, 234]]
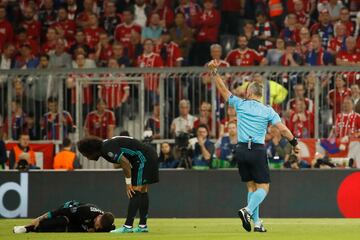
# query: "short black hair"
[[107, 222], [203, 126], [124, 133], [90, 145], [52, 100], [45, 56], [66, 142]]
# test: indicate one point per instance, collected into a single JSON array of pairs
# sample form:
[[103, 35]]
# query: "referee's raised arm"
[[220, 85]]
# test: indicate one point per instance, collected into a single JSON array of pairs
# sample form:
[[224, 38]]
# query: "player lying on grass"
[[72, 216], [139, 162]]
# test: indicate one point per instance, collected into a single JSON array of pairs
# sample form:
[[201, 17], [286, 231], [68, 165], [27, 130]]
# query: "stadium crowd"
[[70, 34]]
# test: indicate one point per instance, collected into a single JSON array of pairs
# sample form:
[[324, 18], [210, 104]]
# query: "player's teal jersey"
[[253, 118]]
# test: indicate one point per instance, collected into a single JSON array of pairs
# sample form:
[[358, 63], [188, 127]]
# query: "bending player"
[[72, 216], [139, 162]]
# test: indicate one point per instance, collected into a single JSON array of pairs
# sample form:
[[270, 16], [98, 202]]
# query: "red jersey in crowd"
[[48, 47], [123, 32], [302, 125], [68, 27], [6, 32], [87, 90], [172, 53], [51, 123], [97, 124], [350, 27], [230, 6], [166, 14], [303, 18], [33, 29], [248, 57], [351, 77], [347, 124], [308, 103], [337, 98], [291, 9], [150, 61], [208, 24], [93, 36], [33, 44], [106, 53], [337, 44], [191, 12], [113, 93]]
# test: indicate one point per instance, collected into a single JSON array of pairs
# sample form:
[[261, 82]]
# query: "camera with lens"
[[182, 145], [292, 162]]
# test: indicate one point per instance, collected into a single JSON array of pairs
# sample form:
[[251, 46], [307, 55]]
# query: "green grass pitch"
[[208, 229]]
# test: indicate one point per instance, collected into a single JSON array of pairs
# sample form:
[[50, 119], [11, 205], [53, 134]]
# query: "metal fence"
[[134, 95]]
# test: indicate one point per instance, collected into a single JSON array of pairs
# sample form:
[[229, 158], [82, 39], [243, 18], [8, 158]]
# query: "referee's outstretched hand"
[[130, 190], [213, 64], [296, 149]]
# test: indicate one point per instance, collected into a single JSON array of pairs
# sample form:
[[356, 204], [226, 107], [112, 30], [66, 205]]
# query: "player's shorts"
[[145, 170], [252, 163]]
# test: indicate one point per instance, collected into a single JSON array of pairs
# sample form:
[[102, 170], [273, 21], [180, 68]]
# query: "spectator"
[[185, 122], [52, 120], [355, 93], [153, 31], [124, 30], [153, 123], [291, 30], [190, 10], [101, 122], [104, 50], [110, 19], [207, 26], [348, 57], [304, 43], [253, 41], [119, 55], [32, 26], [26, 60], [336, 96], [22, 38], [345, 19], [72, 8], [299, 91], [347, 122], [278, 148], [60, 58], [141, 10], [83, 18], [66, 159], [182, 35], [32, 128], [115, 94], [42, 86], [226, 145], [51, 37], [301, 122], [316, 55], [64, 26], [165, 12], [136, 48], [337, 43], [93, 31], [6, 29], [204, 117], [166, 158], [276, 11], [7, 57], [230, 13], [3, 155], [323, 28], [203, 149], [290, 57], [18, 121], [264, 31], [243, 56], [302, 16], [230, 117], [80, 41], [22, 151], [333, 7], [274, 55], [20, 94], [82, 60], [150, 59], [169, 51], [47, 15]]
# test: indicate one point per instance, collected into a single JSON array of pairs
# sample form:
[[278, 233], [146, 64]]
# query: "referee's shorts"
[[252, 163]]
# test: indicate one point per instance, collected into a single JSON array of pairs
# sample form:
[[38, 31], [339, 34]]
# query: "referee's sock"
[[255, 200], [134, 204], [144, 208], [255, 215]]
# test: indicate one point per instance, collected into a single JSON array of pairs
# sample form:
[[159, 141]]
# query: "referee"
[[253, 118]]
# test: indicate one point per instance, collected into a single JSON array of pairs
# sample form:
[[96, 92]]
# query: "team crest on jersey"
[[110, 154]]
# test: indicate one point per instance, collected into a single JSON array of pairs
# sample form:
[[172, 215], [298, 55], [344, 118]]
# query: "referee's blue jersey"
[[253, 118]]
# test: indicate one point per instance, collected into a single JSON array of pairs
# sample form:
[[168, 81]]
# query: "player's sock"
[[255, 200], [249, 196], [134, 204], [144, 208], [255, 215], [30, 228]]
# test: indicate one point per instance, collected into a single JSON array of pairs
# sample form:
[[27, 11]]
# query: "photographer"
[[22, 153], [278, 148], [166, 159], [203, 149], [294, 162]]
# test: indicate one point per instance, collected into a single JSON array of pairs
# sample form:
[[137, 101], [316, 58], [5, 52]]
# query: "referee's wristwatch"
[[294, 142]]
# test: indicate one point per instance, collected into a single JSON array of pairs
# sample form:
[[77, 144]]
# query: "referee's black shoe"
[[245, 218], [260, 228]]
